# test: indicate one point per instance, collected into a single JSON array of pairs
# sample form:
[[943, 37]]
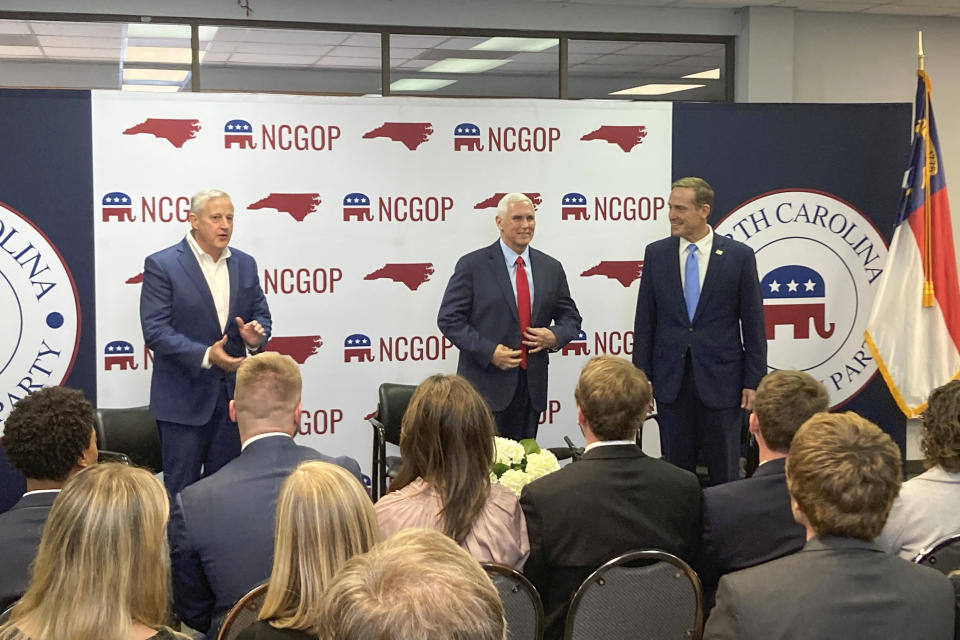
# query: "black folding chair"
[[243, 614], [132, 432], [943, 555], [521, 602], [394, 399], [642, 595]]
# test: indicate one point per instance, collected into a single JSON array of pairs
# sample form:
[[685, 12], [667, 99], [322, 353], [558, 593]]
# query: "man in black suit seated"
[[749, 521], [221, 527], [843, 474], [48, 437], [615, 499]]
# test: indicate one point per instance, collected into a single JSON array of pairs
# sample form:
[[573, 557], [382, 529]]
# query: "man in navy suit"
[[699, 334], [49, 437], [221, 527], [202, 311], [506, 306], [749, 521]]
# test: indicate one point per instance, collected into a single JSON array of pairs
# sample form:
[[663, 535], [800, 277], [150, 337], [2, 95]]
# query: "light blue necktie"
[[691, 281]]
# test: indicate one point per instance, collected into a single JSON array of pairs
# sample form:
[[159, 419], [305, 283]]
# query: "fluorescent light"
[[162, 75], [162, 88], [709, 74], [419, 84], [464, 65], [175, 55], [516, 44], [655, 89]]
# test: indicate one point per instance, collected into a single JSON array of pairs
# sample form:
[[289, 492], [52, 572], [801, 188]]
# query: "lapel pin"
[[719, 252]]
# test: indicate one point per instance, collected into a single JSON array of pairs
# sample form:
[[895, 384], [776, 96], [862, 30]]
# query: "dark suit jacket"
[[479, 311], [179, 321], [730, 300], [20, 531], [615, 499], [221, 529], [746, 522], [834, 588], [12, 482]]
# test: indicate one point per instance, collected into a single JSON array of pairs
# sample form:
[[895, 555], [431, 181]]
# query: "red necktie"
[[523, 308]]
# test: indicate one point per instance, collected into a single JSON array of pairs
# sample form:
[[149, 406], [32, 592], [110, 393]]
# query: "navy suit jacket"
[[179, 321], [221, 529], [745, 523], [20, 531], [834, 588], [615, 499], [730, 302], [479, 311]]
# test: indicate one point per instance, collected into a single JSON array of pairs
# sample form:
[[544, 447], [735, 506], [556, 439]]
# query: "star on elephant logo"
[[819, 260]]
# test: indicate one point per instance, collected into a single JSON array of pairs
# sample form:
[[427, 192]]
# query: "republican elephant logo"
[[795, 295]]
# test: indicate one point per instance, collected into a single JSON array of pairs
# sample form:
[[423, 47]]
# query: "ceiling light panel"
[[464, 65], [176, 55], [419, 84], [709, 74], [516, 44], [655, 89], [156, 88], [159, 75]]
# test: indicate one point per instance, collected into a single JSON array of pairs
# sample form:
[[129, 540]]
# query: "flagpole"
[[920, 50]]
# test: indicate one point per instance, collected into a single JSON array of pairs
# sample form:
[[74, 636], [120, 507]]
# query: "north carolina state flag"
[[914, 328]]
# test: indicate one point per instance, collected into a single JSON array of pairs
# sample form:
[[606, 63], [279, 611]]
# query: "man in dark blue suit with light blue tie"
[[699, 334], [506, 306], [202, 311]]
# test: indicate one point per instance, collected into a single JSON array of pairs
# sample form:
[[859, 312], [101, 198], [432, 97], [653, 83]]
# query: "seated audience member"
[[927, 509], [102, 568], [615, 499], [843, 474], [49, 437], [749, 521], [221, 527], [417, 585], [446, 441], [324, 517]]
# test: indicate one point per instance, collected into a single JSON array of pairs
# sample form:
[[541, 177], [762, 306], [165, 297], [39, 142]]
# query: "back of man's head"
[[267, 393], [614, 397], [49, 432], [416, 585], [843, 472], [785, 400]]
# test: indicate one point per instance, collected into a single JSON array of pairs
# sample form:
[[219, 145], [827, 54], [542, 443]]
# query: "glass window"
[[300, 61], [647, 70], [474, 66]]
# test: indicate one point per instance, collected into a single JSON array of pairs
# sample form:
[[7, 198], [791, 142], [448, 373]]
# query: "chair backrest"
[[243, 614], [5, 616], [394, 399], [131, 431], [943, 555], [645, 594], [521, 602]]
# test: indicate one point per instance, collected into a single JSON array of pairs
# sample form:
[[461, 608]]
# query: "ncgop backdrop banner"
[[357, 209]]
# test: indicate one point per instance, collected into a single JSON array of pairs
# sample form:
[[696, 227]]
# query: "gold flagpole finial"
[[920, 50]]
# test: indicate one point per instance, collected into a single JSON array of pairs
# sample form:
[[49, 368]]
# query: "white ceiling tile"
[[596, 46], [13, 26], [358, 52], [278, 49], [417, 42], [334, 61], [20, 52], [68, 53], [74, 41], [267, 59], [362, 40], [86, 29], [215, 58], [893, 9]]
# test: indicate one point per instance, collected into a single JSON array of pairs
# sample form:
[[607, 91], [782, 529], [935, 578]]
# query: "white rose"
[[508, 452]]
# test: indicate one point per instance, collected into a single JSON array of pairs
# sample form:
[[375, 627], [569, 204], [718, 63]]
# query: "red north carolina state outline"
[[625, 137], [298, 205], [491, 202], [175, 131], [412, 274], [297, 347], [410, 134], [624, 271], [137, 279]]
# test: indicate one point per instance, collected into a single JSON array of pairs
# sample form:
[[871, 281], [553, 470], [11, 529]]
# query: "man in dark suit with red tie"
[[699, 334], [506, 306]]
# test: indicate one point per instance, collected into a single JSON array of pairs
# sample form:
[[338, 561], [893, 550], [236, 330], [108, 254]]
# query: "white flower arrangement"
[[517, 464]]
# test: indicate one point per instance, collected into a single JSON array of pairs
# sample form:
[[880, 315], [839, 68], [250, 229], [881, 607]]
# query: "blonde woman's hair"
[[324, 517], [103, 561]]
